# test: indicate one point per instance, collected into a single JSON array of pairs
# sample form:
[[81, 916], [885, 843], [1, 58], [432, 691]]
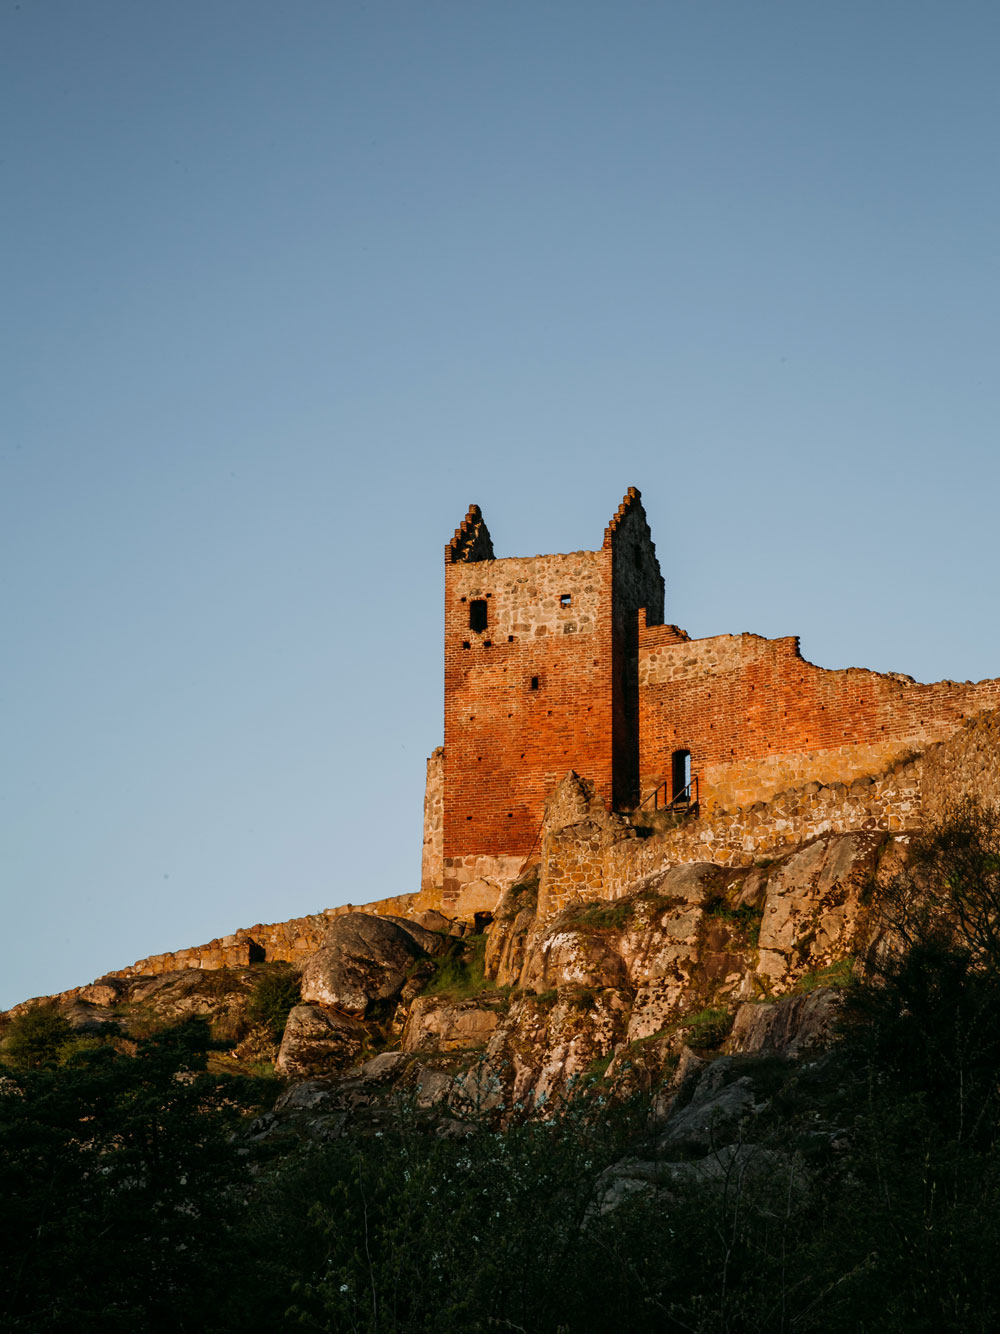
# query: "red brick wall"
[[758, 718], [506, 745]]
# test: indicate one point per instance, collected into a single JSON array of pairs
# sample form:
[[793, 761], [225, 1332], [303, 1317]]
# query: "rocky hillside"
[[752, 1093], [693, 958]]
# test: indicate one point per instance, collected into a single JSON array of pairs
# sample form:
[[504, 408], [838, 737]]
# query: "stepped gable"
[[631, 504], [472, 539]]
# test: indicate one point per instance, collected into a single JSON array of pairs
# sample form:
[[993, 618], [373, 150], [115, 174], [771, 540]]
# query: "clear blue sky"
[[287, 285]]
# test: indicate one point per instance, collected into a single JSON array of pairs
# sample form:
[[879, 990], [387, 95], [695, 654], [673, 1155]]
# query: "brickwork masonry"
[[758, 719], [590, 859]]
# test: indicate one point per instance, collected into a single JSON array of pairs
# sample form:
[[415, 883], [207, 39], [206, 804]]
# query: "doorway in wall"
[[680, 782]]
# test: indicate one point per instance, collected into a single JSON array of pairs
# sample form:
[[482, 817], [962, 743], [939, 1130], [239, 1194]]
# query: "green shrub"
[[37, 1036], [275, 994]]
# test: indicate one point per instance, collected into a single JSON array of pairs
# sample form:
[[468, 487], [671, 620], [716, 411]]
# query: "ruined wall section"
[[527, 696], [757, 718], [577, 830], [603, 858], [432, 857], [289, 942], [889, 802], [637, 589], [653, 636], [966, 765]]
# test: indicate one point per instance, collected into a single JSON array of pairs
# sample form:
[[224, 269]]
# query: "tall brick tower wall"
[[540, 678]]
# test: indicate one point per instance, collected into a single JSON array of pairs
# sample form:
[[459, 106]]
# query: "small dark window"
[[478, 619], [681, 775], [466, 643], [534, 683], [565, 599], [637, 557]]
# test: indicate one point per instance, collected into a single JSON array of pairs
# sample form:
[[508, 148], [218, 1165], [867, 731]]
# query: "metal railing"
[[686, 800]]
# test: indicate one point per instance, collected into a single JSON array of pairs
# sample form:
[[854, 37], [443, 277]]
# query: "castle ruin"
[[561, 663]]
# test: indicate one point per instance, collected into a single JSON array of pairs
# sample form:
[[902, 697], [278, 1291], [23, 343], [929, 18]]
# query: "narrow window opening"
[[637, 558], [510, 639], [487, 643], [534, 683], [466, 644], [565, 599], [478, 618], [681, 775]]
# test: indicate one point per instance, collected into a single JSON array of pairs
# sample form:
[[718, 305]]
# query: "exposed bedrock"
[[365, 959]]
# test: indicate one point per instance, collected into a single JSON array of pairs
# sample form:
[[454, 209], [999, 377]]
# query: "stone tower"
[[541, 677]]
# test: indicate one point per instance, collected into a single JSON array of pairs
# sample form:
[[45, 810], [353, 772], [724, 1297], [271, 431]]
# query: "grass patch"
[[610, 915], [523, 893], [837, 974], [598, 1068], [743, 922], [708, 1029], [461, 972]]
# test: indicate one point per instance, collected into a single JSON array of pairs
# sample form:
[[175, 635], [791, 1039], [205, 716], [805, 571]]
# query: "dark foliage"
[[275, 994], [119, 1184], [36, 1037]]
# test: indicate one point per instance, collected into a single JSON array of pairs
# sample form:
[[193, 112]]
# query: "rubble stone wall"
[[474, 884], [764, 830], [432, 858], [966, 765], [291, 942]]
